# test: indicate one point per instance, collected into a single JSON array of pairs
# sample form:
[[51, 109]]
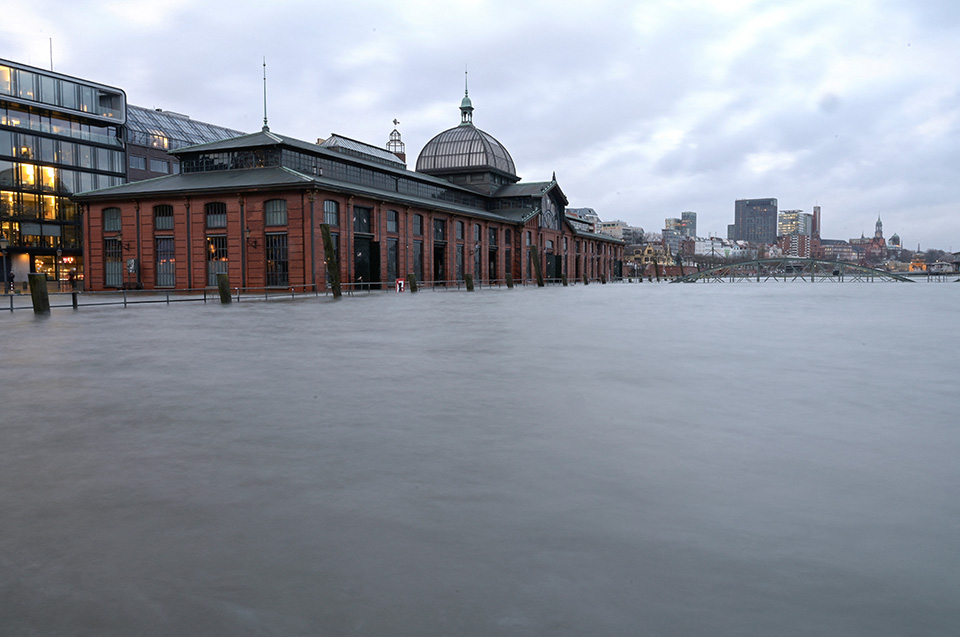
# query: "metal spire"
[[265, 127], [466, 106]]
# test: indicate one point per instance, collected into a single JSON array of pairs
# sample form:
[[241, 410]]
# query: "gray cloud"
[[642, 110]]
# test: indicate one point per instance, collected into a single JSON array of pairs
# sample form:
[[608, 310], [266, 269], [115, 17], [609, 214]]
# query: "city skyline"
[[642, 111]]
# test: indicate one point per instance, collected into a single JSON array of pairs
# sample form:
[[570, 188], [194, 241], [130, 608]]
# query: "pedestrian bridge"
[[790, 269]]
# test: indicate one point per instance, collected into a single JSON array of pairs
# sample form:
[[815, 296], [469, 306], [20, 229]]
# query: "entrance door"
[[439, 263], [366, 263]]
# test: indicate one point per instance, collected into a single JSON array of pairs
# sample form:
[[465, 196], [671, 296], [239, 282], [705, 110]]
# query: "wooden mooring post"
[[223, 286], [39, 294], [537, 266], [330, 260], [468, 279]]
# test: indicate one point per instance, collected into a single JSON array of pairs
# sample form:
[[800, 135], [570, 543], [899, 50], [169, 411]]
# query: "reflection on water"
[[772, 459]]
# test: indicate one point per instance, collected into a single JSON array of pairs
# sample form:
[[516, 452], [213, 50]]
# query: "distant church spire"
[[466, 106], [879, 232]]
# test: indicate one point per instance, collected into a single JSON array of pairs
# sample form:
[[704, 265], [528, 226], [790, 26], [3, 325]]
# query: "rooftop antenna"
[[51, 54], [265, 127]]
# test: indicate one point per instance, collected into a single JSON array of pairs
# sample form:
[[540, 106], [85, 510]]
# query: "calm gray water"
[[710, 459]]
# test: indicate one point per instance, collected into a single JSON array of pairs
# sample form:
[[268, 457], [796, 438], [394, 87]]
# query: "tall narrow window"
[[277, 264], [111, 219], [275, 212], [216, 214], [163, 217], [393, 221], [418, 260], [460, 262], [418, 225], [216, 258], [113, 261], [166, 263], [439, 230], [361, 219], [460, 231], [331, 213], [393, 259]]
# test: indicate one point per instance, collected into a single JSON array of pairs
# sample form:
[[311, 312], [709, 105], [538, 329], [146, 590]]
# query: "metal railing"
[[125, 297]]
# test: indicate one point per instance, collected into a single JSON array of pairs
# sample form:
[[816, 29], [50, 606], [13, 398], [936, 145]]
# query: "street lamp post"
[[57, 269], [3, 257]]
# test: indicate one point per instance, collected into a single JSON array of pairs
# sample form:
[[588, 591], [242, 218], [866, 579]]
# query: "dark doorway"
[[439, 263], [366, 264], [554, 266]]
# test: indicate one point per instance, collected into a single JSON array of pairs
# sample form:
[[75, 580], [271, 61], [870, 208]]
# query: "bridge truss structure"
[[791, 269]]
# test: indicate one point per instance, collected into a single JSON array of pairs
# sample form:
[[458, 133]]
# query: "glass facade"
[[156, 128], [330, 168], [464, 147], [58, 136]]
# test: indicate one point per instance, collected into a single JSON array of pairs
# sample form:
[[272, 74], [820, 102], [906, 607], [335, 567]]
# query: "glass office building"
[[59, 135]]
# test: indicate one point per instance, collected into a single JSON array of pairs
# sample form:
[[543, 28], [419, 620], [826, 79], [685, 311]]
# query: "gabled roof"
[[270, 178], [352, 146], [252, 140], [276, 177], [532, 189]]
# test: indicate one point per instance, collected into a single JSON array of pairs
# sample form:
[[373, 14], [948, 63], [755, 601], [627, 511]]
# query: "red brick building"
[[252, 207]]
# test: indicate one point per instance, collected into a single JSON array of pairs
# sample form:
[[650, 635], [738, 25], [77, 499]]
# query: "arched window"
[[331, 213], [216, 214], [163, 217], [275, 212], [111, 219]]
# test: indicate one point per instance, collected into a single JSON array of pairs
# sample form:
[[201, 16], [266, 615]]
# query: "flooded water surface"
[[710, 459]]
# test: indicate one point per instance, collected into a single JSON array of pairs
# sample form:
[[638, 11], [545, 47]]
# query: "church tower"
[[878, 234]]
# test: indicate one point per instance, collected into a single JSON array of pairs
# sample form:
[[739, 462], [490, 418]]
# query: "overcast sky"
[[643, 109]]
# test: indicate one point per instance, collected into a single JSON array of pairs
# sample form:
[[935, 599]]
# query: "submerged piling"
[[39, 294], [537, 267], [330, 260], [223, 286]]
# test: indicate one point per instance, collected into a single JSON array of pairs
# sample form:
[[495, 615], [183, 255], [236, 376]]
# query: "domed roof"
[[465, 148]]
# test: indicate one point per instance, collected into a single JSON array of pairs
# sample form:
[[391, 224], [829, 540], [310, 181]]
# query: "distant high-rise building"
[[688, 224], [672, 223], [794, 222], [671, 241], [632, 235], [755, 220]]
